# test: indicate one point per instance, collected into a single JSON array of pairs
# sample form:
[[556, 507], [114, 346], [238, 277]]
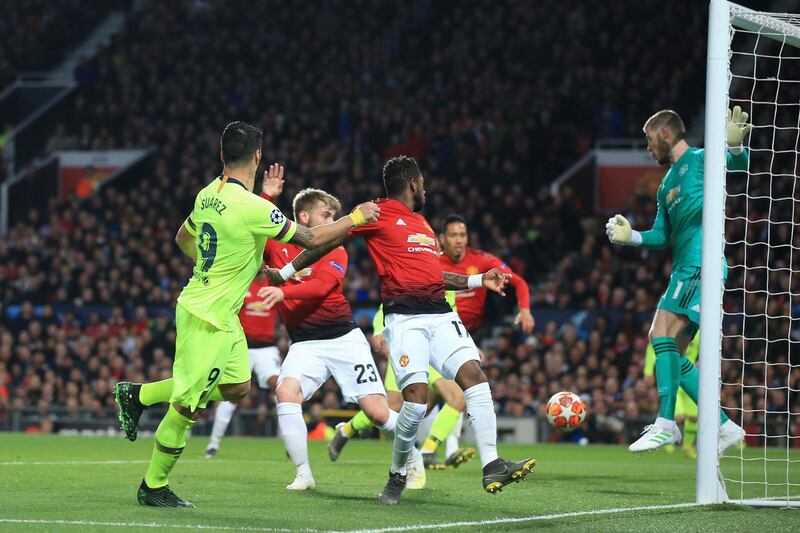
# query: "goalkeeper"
[[679, 219]]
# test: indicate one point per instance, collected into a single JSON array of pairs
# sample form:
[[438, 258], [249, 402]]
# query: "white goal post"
[[750, 326]]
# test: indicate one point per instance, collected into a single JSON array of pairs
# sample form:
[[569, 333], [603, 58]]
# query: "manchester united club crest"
[[403, 361]]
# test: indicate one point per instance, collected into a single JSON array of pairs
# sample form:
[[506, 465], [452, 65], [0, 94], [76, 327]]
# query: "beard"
[[664, 153], [419, 202]]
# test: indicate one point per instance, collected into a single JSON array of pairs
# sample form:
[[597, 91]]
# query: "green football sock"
[[689, 432], [667, 375], [356, 424], [170, 441], [690, 383], [156, 392], [442, 426]]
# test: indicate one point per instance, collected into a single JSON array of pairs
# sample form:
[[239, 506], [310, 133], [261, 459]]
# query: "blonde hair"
[[666, 118], [307, 198]]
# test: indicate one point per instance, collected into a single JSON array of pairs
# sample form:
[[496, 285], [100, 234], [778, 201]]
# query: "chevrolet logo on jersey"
[[421, 238]]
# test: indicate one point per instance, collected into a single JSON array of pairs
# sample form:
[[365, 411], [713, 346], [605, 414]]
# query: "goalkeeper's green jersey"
[[377, 320], [650, 355], [230, 225], [679, 217]]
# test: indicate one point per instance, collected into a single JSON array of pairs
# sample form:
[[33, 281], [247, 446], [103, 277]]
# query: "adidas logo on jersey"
[[401, 222]]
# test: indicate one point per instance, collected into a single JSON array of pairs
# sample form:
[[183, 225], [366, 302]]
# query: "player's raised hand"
[[737, 126], [619, 230], [273, 180], [274, 276], [495, 280], [365, 213], [271, 296], [525, 320]]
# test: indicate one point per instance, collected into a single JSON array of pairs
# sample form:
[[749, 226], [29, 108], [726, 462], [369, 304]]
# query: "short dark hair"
[[452, 218], [666, 118], [239, 142], [397, 172]]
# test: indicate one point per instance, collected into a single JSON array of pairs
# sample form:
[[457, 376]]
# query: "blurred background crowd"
[[478, 93]]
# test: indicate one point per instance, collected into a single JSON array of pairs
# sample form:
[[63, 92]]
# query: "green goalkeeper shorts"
[[682, 296], [204, 358], [391, 382]]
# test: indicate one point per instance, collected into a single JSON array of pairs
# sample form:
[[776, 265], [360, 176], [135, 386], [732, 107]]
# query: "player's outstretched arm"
[[737, 130], [335, 232], [185, 240], [493, 279], [306, 258]]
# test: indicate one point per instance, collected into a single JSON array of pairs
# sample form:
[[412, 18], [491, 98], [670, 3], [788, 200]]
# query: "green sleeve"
[[377, 321], [450, 296], [649, 360], [738, 161], [658, 235], [267, 220]]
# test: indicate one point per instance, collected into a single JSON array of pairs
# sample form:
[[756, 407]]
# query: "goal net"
[[759, 367]]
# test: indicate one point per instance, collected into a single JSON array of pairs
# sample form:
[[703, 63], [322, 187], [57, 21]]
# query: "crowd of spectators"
[[35, 34], [477, 92]]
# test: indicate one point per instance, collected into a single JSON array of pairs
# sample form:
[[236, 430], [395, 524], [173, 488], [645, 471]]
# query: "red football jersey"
[[258, 323], [314, 306], [470, 302], [403, 247]]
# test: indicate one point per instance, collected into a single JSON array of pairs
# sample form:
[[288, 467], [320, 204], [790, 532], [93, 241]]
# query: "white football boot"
[[416, 477], [302, 481], [654, 436]]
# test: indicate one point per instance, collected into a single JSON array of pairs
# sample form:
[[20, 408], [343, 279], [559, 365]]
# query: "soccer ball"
[[565, 411]]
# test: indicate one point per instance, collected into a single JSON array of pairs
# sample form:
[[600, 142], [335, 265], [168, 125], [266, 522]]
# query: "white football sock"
[[411, 414], [391, 423], [480, 410], [295, 435], [222, 418], [451, 442], [665, 423]]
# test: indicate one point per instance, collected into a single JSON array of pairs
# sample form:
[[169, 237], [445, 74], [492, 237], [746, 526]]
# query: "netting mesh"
[[760, 374]]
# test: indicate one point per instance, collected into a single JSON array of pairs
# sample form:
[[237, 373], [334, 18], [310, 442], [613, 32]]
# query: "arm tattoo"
[[310, 256], [302, 236], [454, 282]]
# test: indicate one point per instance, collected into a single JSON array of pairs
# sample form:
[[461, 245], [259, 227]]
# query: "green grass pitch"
[[82, 484]]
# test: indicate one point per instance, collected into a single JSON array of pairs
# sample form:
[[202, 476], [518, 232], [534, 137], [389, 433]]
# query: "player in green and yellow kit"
[[685, 408], [225, 235], [444, 422], [679, 219]]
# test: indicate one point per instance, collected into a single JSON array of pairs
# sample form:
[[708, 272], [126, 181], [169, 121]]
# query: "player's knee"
[[470, 374], [188, 413], [233, 392], [416, 393], [289, 390], [376, 410]]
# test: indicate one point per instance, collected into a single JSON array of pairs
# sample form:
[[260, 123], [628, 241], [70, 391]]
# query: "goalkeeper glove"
[[737, 126], [619, 231]]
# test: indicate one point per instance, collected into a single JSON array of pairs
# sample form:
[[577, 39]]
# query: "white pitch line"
[[516, 520], [183, 461], [445, 525], [144, 524]]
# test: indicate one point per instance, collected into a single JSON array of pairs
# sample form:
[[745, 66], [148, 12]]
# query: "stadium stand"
[[88, 289]]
